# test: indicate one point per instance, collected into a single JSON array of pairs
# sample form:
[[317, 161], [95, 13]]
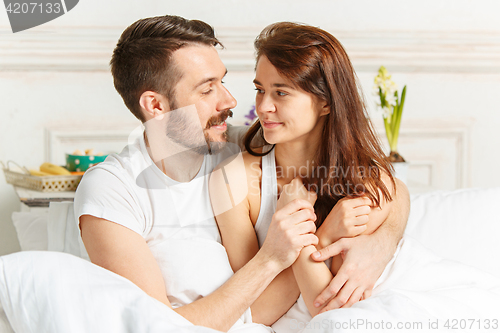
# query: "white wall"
[[55, 76]]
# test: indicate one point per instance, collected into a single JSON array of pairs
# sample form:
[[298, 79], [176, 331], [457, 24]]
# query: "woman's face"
[[286, 113]]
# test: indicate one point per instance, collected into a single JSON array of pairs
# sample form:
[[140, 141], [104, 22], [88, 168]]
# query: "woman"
[[311, 114]]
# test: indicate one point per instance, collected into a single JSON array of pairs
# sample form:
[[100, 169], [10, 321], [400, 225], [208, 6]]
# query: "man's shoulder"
[[124, 165]]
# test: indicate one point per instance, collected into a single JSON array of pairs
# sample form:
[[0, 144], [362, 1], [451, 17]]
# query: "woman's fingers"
[[306, 227], [349, 202], [361, 210], [303, 215], [294, 206], [309, 239], [359, 229]]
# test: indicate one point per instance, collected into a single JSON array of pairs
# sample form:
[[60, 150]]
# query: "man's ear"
[[153, 104]]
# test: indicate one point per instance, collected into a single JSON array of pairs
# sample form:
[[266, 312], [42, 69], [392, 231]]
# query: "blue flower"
[[250, 116]]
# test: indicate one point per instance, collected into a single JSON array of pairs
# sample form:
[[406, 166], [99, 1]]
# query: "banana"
[[54, 169], [39, 173]]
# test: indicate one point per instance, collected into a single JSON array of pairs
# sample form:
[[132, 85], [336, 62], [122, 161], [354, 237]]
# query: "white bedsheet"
[[57, 292], [419, 291]]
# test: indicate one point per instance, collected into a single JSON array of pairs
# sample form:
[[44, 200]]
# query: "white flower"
[[387, 88]]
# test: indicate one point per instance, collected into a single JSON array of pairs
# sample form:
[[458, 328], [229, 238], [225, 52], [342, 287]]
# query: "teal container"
[[82, 162]]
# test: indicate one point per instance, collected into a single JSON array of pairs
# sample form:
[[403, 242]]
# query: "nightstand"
[[39, 201]]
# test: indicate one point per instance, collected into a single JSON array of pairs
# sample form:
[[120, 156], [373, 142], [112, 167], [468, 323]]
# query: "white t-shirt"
[[174, 218]]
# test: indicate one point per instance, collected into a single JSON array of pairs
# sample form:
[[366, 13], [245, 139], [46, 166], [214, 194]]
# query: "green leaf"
[[398, 119], [403, 95], [388, 132], [382, 97], [394, 113]]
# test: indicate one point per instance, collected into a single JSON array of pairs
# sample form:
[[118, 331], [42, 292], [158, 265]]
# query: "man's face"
[[201, 86]]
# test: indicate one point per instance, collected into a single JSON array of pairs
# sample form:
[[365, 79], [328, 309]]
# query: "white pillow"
[[63, 233], [4, 322], [462, 225], [31, 230]]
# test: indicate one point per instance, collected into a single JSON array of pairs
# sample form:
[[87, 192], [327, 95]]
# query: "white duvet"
[[57, 292], [418, 292]]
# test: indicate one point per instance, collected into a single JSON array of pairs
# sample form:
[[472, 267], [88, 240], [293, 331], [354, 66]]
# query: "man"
[[145, 213]]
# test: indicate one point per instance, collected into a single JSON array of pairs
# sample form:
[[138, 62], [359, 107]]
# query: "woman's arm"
[[350, 217], [312, 277], [234, 220]]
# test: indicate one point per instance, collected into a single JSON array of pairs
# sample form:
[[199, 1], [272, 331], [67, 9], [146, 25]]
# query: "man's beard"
[[213, 146], [184, 128]]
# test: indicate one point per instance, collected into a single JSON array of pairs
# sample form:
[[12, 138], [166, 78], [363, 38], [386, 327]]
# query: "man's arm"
[[126, 253], [365, 256], [239, 239]]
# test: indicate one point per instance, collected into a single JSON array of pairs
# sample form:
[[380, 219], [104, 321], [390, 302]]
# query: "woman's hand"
[[295, 190], [292, 228], [348, 218], [293, 224]]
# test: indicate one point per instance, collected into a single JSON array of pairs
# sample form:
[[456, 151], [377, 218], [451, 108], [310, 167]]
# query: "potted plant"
[[391, 105]]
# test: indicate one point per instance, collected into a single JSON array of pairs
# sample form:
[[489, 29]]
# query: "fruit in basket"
[[39, 173], [54, 169]]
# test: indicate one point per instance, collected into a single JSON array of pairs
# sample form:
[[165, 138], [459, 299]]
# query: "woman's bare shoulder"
[[253, 164], [239, 171]]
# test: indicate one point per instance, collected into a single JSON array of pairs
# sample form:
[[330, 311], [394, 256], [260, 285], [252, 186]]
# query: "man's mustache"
[[221, 117]]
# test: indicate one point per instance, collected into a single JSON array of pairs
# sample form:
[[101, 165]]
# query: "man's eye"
[[207, 92]]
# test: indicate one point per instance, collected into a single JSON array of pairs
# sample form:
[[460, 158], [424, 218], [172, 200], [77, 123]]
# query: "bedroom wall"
[[54, 79]]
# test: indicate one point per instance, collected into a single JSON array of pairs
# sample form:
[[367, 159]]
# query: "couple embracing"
[[304, 221]]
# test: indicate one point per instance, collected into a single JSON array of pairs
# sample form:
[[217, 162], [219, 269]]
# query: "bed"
[[444, 276]]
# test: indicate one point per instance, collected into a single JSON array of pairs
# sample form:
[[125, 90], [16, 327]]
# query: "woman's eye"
[[259, 91], [280, 93]]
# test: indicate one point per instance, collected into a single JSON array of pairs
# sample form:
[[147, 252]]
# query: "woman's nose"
[[264, 104]]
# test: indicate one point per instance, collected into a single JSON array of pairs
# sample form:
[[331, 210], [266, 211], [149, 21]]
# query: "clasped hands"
[[293, 227]]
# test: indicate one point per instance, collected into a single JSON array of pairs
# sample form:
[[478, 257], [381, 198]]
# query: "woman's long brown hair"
[[349, 159]]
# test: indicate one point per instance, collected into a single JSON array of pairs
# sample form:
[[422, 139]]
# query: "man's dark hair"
[[142, 59]]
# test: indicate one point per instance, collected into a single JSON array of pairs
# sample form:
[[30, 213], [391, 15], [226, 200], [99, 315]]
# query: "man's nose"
[[227, 100]]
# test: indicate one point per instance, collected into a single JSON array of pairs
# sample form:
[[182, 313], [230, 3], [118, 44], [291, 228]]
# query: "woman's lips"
[[270, 124]]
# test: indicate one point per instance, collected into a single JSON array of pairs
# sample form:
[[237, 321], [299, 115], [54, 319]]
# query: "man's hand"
[[364, 261], [365, 256], [348, 218]]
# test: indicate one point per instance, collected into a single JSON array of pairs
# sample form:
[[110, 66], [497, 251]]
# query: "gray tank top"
[[268, 196]]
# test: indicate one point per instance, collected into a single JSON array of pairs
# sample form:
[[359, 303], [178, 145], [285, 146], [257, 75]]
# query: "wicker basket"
[[43, 184]]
